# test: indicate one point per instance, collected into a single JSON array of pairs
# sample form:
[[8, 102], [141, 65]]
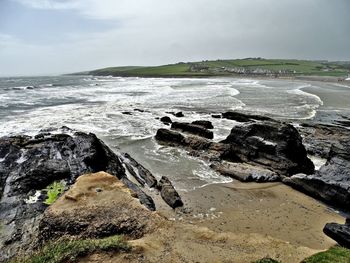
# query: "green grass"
[[54, 190], [333, 255], [216, 68], [70, 250]]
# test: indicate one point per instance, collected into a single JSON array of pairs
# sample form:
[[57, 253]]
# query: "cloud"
[[150, 32], [50, 4]]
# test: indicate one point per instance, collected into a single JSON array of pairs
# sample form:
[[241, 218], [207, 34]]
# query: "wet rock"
[[193, 129], [204, 124], [32, 163], [242, 117], [169, 137], [179, 114], [274, 145], [331, 183], [169, 194], [245, 172], [216, 116], [166, 120], [84, 213], [143, 173], [339, 232], [319, 138]]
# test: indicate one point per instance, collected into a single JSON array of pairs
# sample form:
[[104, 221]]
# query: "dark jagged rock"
[[168, 193], [204, 124], [166, 120], [339, 232], [277, 146], [32, 163], [126, 112], [319, 138], [171, 138], [242, 117], [275, 149], [143, 173], [139, 110], [216, 116], [193, 129], [331, 182], [145, 199], [179, 114]]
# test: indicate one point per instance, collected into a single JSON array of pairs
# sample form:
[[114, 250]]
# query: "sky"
[[46, 37]]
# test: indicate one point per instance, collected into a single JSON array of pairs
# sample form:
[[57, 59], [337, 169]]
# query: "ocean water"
[[95, 104]]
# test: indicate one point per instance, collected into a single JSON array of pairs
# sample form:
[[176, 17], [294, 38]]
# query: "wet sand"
[[235, 222], [269, 209]]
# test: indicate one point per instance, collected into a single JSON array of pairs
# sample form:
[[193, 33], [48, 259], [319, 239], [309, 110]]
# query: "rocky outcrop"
[[245, 172], [143, 174], [242, 117], [168, 193], [194, 129], [29, 164], [97, 205], [339, 232], [319, 138], [274, 145], [204, 124], [331, 183], [264, 151]]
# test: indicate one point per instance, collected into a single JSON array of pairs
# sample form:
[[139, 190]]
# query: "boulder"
[[204, 124], [144, 174], [216, 116], [274, 145], [96, 206], [168, 193], [170, 138], [166, 120], [243, 117], [194, 129], [331, 183], [339, 232], [179, 114], [245, 172]]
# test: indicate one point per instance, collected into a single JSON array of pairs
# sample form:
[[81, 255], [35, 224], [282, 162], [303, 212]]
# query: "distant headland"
[[252, 67]]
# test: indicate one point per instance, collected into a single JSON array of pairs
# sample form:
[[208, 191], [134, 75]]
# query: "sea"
[[125, 112]]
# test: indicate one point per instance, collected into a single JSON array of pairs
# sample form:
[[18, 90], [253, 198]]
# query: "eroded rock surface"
[[29, 164], [331, 182], [195, 129], [275, 148], [339, 232], [97, 205]]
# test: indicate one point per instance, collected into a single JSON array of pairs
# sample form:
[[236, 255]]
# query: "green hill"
[[247, 67]]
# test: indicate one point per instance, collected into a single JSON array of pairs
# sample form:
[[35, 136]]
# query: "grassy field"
[[249, 66]]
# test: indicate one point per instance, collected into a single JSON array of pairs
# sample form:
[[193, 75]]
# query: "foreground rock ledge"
[[97, 205], [29, 164]]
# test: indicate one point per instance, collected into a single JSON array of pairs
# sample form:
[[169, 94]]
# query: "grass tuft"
[[335, 254], [69, 250], [54, 190]]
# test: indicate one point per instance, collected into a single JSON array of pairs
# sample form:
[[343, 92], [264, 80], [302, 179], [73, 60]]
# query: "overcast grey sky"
[[60, 36]]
